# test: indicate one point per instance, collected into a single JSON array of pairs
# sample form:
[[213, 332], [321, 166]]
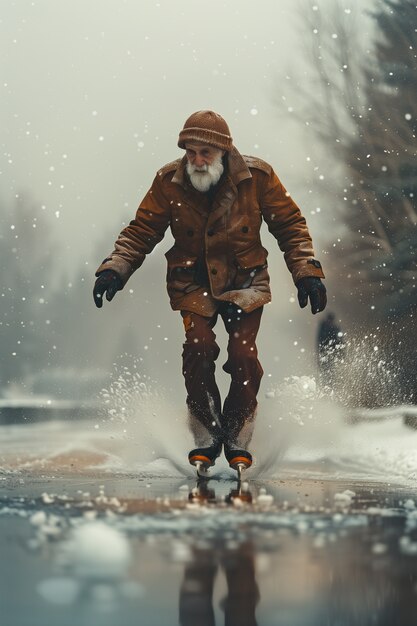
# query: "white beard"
[[202, 178]]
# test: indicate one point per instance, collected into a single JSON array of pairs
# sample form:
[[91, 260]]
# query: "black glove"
[[107, 282], [312, 287]]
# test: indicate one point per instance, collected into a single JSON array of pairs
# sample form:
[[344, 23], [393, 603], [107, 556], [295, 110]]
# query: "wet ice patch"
[[62, 590]]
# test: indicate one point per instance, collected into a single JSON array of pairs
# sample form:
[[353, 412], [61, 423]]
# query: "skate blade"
[[202, 469], [240, 468]]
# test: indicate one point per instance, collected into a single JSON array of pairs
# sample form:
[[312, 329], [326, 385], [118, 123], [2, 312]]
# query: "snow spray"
[[148, 425]]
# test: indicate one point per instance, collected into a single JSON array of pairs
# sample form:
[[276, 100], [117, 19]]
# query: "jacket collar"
[[237, 169]]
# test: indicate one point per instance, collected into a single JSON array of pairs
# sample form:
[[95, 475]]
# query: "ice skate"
[[204, 458], [238, 459]]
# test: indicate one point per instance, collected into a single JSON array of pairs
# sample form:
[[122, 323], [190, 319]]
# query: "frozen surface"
[[139, 432], [132, 551], [384, 450], [102, 521]]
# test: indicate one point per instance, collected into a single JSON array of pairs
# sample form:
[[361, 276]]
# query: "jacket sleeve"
[[289, 227], [142, 235]]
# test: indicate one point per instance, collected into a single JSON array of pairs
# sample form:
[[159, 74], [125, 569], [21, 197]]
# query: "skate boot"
[[203, 458], [238, 459]]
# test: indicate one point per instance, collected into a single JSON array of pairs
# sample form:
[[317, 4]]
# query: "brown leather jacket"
[[217, 254]]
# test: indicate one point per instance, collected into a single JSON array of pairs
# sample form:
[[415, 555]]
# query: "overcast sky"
[[94, 93]]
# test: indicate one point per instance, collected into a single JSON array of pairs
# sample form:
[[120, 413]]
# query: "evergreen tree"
[[381, 158], [360, 100]]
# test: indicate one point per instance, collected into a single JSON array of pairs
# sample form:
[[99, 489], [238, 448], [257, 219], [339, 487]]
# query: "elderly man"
[[214, 200]]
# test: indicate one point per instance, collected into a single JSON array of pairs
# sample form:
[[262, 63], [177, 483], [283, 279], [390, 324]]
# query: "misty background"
[[93, 97]]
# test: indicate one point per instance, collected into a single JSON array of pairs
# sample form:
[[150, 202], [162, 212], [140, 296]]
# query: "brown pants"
[[196, 593], [233, 425]]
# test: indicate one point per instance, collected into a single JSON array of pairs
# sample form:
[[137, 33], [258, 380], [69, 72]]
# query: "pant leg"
[[242, 590], [203, 396], [242, 364], [196, 593]]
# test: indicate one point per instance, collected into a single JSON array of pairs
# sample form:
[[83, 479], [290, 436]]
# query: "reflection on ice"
[[303, 548]]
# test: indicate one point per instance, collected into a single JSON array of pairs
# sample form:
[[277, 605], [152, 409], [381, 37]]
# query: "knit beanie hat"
[[206, 127]]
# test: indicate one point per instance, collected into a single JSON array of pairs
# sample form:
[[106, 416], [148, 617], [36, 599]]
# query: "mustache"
[[202, 168]]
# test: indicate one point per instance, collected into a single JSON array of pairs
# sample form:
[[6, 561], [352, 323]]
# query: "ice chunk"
[[95, 550]]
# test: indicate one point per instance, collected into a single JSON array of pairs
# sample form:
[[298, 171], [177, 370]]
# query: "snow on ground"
[[142, 432]]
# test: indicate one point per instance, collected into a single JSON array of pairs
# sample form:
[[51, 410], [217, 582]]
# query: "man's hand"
[[312, 287], [108, 282]]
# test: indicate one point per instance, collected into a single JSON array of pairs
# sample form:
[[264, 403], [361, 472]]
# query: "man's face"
[[204, 165], [200, 155]]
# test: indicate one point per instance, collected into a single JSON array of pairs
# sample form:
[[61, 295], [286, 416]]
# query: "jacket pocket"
[[181, 271], [248, 264]]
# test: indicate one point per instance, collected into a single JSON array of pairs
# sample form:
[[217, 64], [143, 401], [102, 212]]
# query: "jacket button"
[[190, 233], [213, 270], [245, 229], [210, 232]]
